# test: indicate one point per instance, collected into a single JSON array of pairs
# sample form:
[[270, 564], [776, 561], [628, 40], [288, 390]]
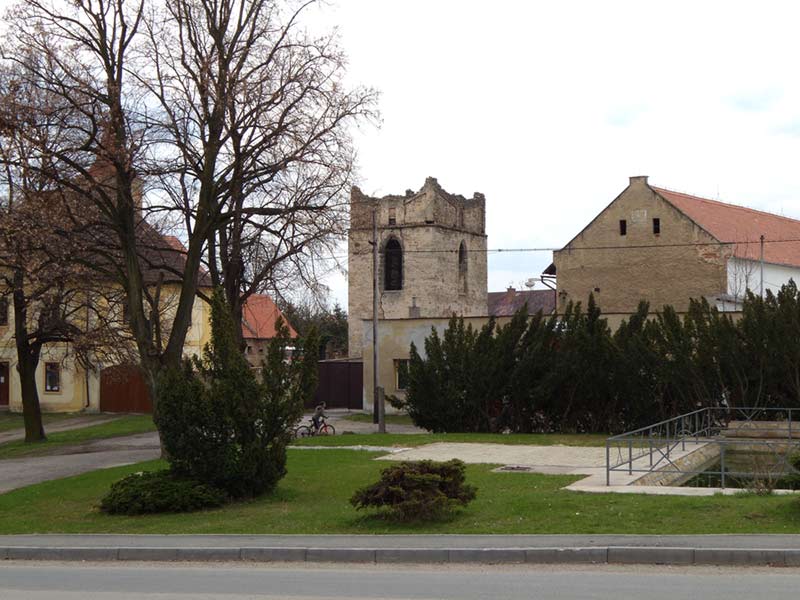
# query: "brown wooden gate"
[[341, 384], [4, 384], [123, 389]]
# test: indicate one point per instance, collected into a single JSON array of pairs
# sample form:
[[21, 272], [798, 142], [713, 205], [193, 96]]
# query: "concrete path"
[[13, 435], [73, 460], [338, 419], [565, 460]]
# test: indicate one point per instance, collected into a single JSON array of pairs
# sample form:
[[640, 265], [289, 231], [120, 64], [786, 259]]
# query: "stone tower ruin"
[[431, 261]]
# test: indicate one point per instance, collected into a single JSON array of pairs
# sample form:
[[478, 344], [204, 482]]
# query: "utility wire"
[[567, 248]]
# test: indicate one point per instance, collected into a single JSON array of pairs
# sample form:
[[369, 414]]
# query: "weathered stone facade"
[[680, 262], [442, 240]]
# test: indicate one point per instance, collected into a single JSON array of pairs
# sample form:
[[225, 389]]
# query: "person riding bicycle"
[[319, 416]]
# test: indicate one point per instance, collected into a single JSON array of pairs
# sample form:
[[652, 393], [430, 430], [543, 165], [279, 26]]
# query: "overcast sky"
[[548, 107]]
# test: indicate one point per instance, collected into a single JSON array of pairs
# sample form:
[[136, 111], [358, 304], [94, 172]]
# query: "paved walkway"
[[338, 419], [80, 458], [559, 460], [13, 435]]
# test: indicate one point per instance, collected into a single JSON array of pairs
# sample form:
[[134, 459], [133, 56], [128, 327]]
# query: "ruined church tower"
[[431, 261]]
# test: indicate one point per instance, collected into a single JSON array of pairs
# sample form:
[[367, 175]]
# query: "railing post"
[[667, 440], [790, 424], [608, 463], [722, 464], [683, 433], [630, 456], [650, 443]]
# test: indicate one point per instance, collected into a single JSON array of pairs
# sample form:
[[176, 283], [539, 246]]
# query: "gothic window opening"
[[462, 268], [393, 266]]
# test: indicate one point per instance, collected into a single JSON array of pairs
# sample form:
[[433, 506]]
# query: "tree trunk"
[[31, 410], [27, 361]]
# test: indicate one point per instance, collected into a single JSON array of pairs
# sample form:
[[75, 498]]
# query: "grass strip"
[[10, 421], [313, 499]]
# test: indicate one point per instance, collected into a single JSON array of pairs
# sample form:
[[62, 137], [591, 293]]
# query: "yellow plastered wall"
[[79, 392]]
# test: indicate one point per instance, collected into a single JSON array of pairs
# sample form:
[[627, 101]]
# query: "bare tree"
[[257, 120], [231, 117], [81, 81], [40, 257]]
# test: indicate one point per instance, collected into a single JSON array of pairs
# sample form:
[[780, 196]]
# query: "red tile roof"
[[259, 316], [505, 304], [745, 226]]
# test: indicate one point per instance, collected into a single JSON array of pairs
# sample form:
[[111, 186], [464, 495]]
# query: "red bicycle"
[[304, 431]]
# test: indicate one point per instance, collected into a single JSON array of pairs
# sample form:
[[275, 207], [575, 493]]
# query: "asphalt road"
[[50, 581]]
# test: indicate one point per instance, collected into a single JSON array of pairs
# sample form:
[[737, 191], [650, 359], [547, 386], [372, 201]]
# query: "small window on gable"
[[3, 311], [393, 266], [657, 226], [52, 377], [623, 227], [392, 216]]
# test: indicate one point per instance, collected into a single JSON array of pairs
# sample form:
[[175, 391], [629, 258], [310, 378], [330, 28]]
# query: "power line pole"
[[378, 410], [762, 265]]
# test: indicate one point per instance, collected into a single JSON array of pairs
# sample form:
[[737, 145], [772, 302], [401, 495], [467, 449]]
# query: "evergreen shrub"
[[223, 425], [159, 492], [421, 490]]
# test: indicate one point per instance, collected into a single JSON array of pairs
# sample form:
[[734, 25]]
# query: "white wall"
[[745, 274]]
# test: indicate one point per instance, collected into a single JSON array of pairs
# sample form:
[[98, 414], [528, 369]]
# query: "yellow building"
[[64, 385]]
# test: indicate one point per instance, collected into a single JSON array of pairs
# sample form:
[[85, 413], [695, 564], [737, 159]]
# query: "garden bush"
[[159, 492], [420, 490], [223, 426]]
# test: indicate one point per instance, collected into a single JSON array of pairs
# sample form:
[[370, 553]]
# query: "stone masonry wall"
[[661, 274], [430, 226]]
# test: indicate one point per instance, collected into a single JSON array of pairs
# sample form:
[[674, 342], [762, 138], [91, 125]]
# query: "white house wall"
[[745, 274]]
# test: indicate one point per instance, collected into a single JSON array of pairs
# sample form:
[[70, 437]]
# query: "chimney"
[[638, 180], [510, 290]]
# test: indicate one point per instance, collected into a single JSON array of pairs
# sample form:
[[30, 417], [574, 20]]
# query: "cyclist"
[[318, 417]]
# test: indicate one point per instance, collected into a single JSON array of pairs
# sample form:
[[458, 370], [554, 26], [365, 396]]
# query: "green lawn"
[[390, 419], [127, 425], [419, 439], [312, 498], [9, 420]]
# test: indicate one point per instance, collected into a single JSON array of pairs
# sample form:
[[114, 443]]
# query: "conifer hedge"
[[573, 374]]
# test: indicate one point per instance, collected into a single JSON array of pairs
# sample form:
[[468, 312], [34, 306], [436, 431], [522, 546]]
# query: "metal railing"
[[662, 447]]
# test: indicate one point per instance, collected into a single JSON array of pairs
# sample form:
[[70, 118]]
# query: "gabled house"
[[259, 325], [666, 247]]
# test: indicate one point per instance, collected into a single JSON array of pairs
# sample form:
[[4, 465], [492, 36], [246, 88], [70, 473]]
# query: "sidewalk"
[[750, 550]]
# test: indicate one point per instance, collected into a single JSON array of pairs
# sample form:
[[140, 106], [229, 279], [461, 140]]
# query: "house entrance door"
[[4, 384]]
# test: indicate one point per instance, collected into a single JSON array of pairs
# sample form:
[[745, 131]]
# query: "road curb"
[[654, 555]]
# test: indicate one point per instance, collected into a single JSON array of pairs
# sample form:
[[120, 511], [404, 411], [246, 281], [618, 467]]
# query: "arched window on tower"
[[462, 268], [393, 266]]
